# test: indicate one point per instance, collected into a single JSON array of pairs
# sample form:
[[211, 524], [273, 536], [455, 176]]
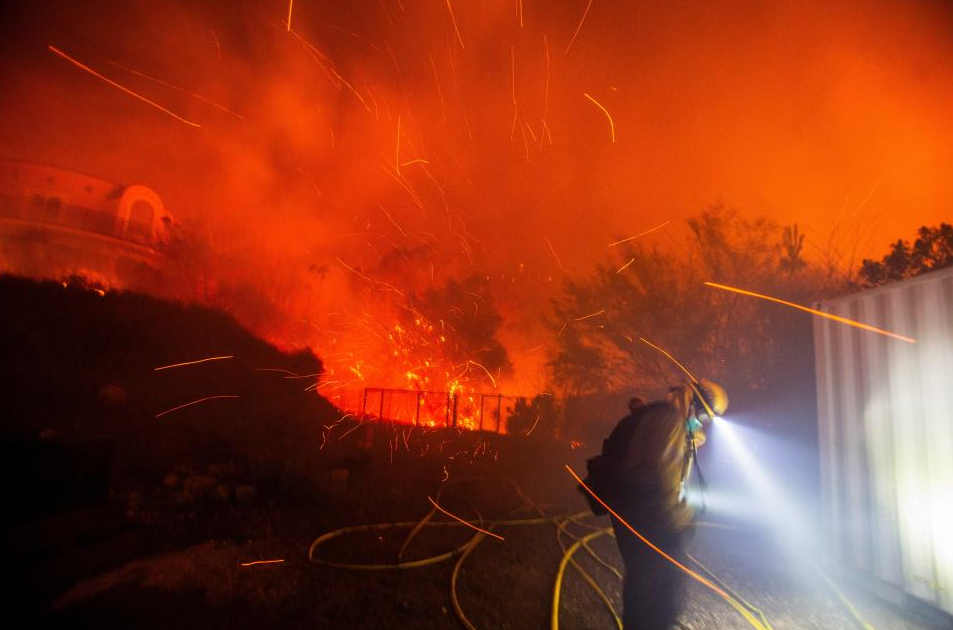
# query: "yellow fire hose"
[[754, 616], [557, 587]]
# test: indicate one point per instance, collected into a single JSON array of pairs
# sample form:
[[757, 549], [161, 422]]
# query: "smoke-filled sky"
[[513, 138]]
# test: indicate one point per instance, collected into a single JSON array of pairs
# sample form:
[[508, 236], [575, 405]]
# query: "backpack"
[[602, 478]]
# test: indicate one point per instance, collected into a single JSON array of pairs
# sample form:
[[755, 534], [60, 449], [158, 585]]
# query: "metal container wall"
[[885, 414]]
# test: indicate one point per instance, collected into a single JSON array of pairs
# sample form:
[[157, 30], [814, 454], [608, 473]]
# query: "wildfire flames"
[[402, 185]]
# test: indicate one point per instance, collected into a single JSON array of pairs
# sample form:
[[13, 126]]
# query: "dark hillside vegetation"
[[119, 509], [79, 382]]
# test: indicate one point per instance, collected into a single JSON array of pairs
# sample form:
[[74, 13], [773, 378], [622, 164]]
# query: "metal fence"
[[480, 412]]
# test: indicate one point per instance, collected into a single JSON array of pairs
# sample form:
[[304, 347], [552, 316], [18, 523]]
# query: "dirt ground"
[[164, 578]]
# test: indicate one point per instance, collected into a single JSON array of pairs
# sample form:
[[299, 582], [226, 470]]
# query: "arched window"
[[139, 225]]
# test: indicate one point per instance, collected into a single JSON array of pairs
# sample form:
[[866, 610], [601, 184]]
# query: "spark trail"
[[82, 66]]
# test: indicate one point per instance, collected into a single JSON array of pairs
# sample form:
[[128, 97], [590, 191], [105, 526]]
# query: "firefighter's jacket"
[[644, 458]]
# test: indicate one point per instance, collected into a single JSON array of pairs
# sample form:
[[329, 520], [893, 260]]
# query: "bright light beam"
[[836, 318], [778, 507]]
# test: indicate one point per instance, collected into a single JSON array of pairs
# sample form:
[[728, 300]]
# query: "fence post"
[[417, 414], [381, 416], [499, 411]]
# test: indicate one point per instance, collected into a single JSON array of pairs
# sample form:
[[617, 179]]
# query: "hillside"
[[102, 478]]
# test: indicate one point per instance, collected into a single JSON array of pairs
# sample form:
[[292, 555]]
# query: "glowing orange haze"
[[376, 142]]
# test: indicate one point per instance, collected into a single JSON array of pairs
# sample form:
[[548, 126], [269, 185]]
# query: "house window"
[[139, 225]]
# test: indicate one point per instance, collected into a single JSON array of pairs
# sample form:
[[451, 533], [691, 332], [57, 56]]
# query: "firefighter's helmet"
[[712, 397]]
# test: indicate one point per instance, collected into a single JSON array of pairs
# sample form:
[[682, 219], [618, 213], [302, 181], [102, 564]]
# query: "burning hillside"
[[402, 185]]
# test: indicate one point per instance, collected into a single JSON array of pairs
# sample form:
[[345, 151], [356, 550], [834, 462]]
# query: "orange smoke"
[[381, 148]]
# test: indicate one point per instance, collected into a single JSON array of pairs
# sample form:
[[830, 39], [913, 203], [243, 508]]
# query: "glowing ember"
[[82, 66], [578, 27], [257, 562], [606, 112], [670, 357], [836, 318], [175, 365], [194, 402], [640, 235], [468, 524]]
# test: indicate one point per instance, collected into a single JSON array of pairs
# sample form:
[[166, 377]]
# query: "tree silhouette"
[[933, 249], [660, 296], [792, 244]]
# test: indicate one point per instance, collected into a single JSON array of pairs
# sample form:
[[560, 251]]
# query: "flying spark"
[[812, 311], [471, 525], [683, 368], [532, 428], [579, 319], [606, 112], [397, 148], [640, 235], [555, 255], [254, 562], [516, 108], [454, 20], [177, 88], [576, 32], [120, 87], [175, 365], [194, 402], [625, 266], [361, 275], [479, 365]]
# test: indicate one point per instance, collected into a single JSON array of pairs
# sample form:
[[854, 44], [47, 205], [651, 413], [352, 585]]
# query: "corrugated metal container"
[[885, 414]]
